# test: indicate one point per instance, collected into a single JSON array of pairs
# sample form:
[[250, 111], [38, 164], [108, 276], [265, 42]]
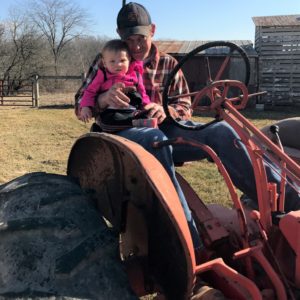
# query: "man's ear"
[[153, 27], [118, 31]]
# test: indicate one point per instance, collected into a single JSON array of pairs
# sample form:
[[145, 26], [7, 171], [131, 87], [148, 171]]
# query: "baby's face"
[[116, 62]]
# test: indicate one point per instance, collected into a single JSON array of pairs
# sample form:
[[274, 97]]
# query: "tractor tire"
[[54, 244]]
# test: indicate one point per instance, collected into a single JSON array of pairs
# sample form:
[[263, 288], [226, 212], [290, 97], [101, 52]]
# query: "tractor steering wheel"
[[217, 89]]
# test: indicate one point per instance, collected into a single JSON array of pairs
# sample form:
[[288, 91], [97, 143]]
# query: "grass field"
[[39, 139]]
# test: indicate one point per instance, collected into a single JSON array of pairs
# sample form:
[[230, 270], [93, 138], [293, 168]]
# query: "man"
[[135, 27], [134, 18]]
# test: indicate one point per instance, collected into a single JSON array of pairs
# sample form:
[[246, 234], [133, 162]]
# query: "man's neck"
[[150, 55]]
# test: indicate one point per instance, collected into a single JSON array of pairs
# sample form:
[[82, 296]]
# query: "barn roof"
[[184, 47], [287, 20]]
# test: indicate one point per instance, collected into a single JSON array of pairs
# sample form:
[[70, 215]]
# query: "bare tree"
[[87, 49], [2, 39], [18, 48], [46, 37], [60, 22], [1, 31]]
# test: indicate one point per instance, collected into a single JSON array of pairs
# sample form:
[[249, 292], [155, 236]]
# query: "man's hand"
[[156, 111], [85, 114], [114, 97]]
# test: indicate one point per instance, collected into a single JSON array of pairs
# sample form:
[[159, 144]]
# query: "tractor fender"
[[135, 194]]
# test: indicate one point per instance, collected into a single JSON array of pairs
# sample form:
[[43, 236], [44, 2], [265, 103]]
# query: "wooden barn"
[[195, 69], [277, 42]]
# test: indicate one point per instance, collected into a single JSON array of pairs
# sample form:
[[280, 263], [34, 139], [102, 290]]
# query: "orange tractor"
[[250, 253]]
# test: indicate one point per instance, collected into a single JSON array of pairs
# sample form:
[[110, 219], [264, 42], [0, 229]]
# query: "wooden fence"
[[17, 94], [28, 92], [37, 80]]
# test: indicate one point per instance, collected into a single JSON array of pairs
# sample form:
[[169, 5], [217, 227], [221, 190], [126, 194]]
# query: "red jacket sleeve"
[[91, 92]]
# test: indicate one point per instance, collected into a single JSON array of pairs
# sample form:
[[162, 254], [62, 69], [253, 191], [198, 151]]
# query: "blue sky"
[[186, 19]]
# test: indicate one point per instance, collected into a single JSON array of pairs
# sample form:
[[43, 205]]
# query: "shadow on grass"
[[57, 106]]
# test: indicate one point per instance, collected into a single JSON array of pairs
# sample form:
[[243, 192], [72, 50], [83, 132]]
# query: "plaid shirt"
[[157, 68]]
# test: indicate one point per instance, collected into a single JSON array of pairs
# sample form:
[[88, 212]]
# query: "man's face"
[[139, 46]]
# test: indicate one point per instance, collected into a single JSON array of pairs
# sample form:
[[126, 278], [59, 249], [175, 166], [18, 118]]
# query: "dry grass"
[[36, 140], [56, 99], [40, 140]]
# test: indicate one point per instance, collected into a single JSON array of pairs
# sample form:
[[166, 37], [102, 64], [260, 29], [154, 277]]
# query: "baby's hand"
[[85, 114]]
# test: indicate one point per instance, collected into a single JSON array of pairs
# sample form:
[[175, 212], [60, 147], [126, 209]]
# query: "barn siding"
[[278, 49]]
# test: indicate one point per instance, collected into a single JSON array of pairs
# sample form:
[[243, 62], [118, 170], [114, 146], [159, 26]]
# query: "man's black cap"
[[133, 18]]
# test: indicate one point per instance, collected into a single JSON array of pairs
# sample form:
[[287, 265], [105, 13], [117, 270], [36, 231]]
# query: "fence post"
[[83, 77], [1, 91], [36, 90]]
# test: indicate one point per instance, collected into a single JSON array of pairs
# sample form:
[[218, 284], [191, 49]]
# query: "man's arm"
[[114, 97], [182, 106], [156, 74]]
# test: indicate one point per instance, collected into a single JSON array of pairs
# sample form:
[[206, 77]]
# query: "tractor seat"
[[287, 129]]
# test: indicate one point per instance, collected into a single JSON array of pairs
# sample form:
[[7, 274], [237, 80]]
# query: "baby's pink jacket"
[[100, 85]]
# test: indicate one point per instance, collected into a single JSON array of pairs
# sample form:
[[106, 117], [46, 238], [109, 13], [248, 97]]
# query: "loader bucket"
[[135, 194]]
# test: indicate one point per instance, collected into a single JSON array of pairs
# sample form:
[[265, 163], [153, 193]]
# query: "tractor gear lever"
[[274, 129]]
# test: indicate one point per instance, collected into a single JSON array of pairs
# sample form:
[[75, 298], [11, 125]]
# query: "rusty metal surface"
[[184, 47], [122, 175], [204, 218], [284, 20]]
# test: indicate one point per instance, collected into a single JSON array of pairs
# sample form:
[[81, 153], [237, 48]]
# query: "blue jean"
[[146, 137], [222, 138]]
